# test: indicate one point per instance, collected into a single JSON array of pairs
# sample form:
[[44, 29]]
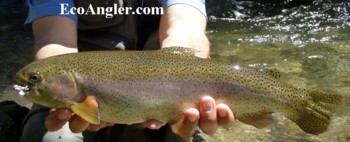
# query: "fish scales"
[[135, 86]]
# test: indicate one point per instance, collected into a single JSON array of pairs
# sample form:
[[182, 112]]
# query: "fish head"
[[47, 85]]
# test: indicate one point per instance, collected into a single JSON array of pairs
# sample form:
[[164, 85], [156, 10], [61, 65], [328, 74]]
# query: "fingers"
[[187, 125], [57, 118], [190, 120], [212, 116], [78, 124], [208, 122], [184, 127], [225, 116]]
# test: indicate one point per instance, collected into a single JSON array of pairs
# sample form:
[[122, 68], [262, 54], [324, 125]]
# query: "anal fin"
[[260, 119]]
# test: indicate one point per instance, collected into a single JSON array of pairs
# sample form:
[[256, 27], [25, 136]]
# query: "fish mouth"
[[23, 90]]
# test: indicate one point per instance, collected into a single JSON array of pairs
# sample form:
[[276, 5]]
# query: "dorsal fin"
[[272, 73], [183, 51]]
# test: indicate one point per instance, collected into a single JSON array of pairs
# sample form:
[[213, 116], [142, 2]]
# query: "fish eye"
[[34, 77]]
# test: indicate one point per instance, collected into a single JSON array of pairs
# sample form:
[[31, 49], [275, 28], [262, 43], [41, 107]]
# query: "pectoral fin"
[[259, 120], [88, 110]]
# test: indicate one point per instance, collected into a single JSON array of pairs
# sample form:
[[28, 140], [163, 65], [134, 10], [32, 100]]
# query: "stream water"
[[309, 45]]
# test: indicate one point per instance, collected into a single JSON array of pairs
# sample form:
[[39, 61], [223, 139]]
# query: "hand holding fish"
[[57, 118], [209, 117]]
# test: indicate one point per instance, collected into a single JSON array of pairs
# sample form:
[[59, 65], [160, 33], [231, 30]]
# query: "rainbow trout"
[[129, 87]]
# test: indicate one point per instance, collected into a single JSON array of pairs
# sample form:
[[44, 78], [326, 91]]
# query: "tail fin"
[[315, 118]]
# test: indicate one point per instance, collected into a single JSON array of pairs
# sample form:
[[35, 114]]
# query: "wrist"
[[52, 50]]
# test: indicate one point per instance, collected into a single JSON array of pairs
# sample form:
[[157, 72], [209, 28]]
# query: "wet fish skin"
[[134, 86]]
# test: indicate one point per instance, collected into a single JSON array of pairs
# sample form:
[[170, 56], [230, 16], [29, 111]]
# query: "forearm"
[[183, 25], [54, 35]]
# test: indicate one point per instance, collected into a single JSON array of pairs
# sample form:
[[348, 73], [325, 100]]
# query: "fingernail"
[[193, 118], [62, 116], [222, 113], [208, 106]]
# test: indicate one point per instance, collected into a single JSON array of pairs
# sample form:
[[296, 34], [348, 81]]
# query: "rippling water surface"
[[309, 45]]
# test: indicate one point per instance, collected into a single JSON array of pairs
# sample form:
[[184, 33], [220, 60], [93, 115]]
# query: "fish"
[[128, 87]]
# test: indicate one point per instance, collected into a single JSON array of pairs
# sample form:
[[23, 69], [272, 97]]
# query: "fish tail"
[[315, 117]]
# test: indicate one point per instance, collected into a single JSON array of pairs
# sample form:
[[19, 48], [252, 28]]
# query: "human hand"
[[57, 118], [209, 117]]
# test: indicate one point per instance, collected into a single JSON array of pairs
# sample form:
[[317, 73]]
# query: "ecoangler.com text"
[[109, 12]]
